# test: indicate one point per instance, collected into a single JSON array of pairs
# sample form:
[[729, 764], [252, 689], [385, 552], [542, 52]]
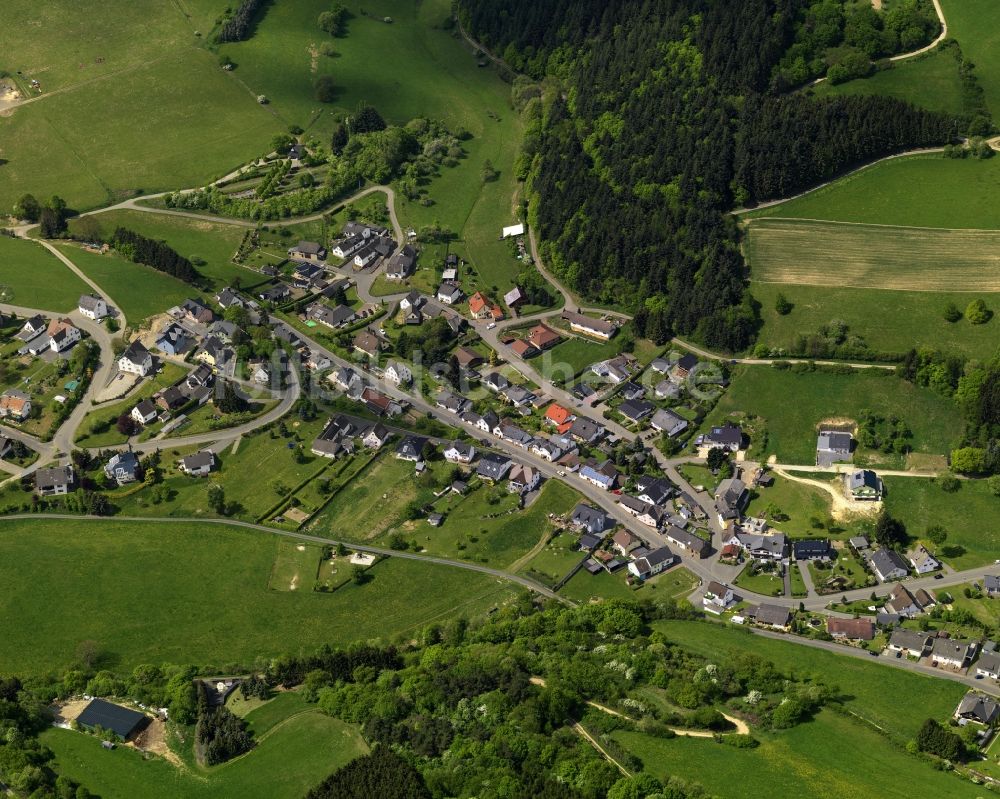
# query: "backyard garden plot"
[[803, 252]]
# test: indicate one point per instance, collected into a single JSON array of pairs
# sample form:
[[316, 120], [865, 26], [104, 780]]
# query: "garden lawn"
[[830, 755], [869, 690], [167, 376], [921, 190], [967, 515], [798, 584], [196, 593], [32, 277], [293, 754], [555, 561], [888, 321], [766, 583], [930, 81], [793, 406]]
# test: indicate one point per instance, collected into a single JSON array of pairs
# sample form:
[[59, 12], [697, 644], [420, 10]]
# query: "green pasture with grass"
[[918, 191], [830, 755], [33, 277], [150, 592], [820, 396], [297, 747], [973, 539], [800, 502], [869, 690], [888, 321], [930, 81], [973, 23]]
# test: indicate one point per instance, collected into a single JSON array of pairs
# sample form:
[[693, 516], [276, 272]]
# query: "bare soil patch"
[[69, 711], [843, 507]]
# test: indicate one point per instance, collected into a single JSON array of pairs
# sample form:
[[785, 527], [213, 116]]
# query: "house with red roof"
[[557, 414]]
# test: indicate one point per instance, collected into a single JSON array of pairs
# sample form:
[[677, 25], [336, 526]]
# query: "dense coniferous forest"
[[655, 120], [240, 25]]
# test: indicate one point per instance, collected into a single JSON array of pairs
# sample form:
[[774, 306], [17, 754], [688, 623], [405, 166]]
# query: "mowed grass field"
[[829, 756], [197, 593], [802, 252], [819, 396], [975, 24], [918, 191], [32, 277], [297, 747]]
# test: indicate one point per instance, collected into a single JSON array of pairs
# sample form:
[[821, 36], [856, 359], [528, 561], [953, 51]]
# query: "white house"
[[144, 411], [459, 452], [398, 373], [136, 360], [198, 464], [62, 335], [651, 564], [717, 598], [92, 306], [922, 560]]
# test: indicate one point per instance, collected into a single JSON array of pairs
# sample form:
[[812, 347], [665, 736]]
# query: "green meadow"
[[830, 755], [917, 191], [791, 426], [34, 278], [183, 592], [297, 747]]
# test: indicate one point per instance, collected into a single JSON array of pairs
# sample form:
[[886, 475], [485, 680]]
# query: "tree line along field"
[[832, 254], [818, 396], [197, 593], [297, 746]]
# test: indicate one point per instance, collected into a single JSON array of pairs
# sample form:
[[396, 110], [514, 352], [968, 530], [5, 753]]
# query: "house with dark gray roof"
[[636, 410], [833, 446], [731, 499], [988, 665], [978, 708], [54, 480], [687, 541], [864, 484], [654, 490], [652, 563], [952, 652], [813, 549], [411, 448], [888, 565], [668, 422], [728, 436], [593, 520], [991, 584], [775, 616], [913, 642], [493, 467], [198, 464], [122, 721], [123, 467]]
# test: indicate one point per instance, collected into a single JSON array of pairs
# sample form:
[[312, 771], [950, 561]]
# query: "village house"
[[523, 479], [379, 403], [451, 402], [123, 467], [977, 708], [493, 467], [667, 422], [197, 312], [652, 563], [762, 547], [228, 298], [729, 436], [92, 306], [603, 476], [518, 396], [330, 317], [546, 449], [991, 585], [62, 335], [31, 328], [851, 629], [54, 480], [731, 499], [923, 562], [865, 485], [450, 293], [913, 642], [514, 297], [459, 452], [952, 652], [654, 490], [173, 340], [376, 436], [585, 430], [411, 448], [718, 598], [144, 412], [684, 367], [275, 294], [365, 256], [902, 603], [623, 542], [467, 358], [413, 300], [348, 246], [813, 549], [482, 307], [495, 382], [198, 464], [833, 446], [777, 617], [334, 439], [598, 328], [310, 251], [368, 343], [15, 405], [689, 542], [543, 337], [401, 265], [888, 565], [136, 360], [988, 665], [636, 410], [398, 373], [593, 520]]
